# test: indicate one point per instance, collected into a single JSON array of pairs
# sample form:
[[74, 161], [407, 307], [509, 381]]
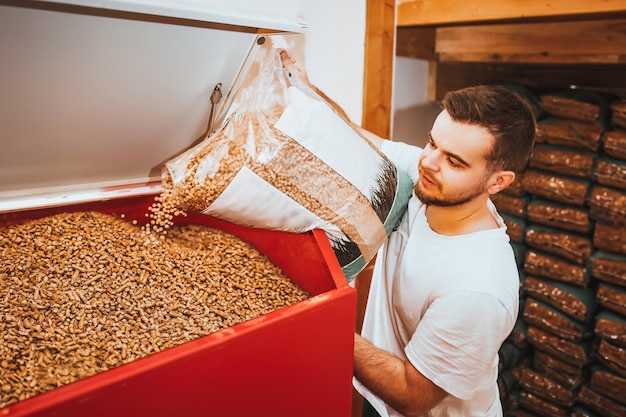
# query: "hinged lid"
[[95, 99]]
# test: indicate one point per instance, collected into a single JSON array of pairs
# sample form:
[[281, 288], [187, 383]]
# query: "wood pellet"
[[81, 293]]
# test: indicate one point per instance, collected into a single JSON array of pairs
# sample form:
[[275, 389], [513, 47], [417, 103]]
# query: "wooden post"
[[380, 32]]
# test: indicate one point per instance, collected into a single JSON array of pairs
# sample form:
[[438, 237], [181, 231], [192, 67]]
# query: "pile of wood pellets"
[[81, 293]]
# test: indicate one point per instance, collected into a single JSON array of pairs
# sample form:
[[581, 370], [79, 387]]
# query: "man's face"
[[453, 165]]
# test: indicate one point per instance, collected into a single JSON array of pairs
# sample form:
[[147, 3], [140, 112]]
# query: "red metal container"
[[94, 100], [295, 361]]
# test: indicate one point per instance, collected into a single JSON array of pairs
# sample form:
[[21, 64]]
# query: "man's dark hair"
[[504, 114]]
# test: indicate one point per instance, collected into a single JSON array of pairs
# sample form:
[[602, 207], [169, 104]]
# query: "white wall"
[[333, 47], [413, 114]]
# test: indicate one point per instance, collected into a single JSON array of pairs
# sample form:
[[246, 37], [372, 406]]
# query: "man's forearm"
[[377, 369], [393, 380]]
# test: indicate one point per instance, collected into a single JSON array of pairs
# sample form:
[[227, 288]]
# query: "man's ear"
[[499, 181]]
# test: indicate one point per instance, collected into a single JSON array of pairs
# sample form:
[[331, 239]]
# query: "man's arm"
[[395, 381]]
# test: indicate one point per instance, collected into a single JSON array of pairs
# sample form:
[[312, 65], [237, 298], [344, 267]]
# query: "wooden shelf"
[[570, 42], [447, 12], [553, 44]]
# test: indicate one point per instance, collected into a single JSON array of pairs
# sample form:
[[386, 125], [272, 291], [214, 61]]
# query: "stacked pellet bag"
[[562, 320], [561, 301], [605, 392], [285, 159]]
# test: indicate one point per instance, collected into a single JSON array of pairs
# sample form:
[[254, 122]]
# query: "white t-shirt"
[[445, 303]]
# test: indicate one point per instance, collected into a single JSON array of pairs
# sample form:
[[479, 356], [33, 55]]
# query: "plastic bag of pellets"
[[284, 159]]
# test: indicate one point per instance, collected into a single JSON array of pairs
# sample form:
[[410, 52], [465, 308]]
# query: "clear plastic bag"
[[285, 159]]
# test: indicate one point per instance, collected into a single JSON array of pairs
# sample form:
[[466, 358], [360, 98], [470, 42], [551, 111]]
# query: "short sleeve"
[[458, 339], [404, 156]]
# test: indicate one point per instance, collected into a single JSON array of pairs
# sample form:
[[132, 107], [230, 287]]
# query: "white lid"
[[95, 100]]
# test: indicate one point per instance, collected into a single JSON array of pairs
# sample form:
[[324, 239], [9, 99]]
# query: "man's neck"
[[471, 217]]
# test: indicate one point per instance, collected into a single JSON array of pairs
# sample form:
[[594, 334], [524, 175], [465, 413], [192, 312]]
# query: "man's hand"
[[294, 66]]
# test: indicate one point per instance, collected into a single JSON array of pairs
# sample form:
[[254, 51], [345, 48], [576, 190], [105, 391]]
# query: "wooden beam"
[[379, 61], [416, 42], [432, 90], [445, 12], [580, 42]]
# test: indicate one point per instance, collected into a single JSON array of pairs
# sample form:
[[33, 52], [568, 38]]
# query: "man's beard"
[[450, 201]]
